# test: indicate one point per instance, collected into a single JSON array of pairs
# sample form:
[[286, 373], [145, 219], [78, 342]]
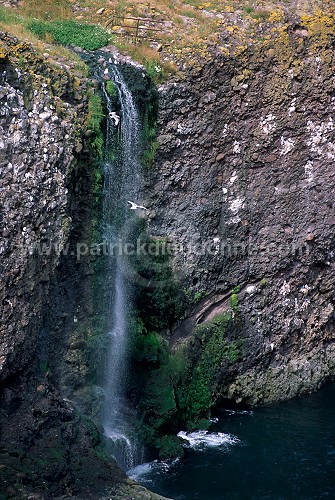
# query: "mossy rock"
[[170, 447], [132, 490]]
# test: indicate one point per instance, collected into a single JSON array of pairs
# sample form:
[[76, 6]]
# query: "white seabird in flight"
[[134, 206]]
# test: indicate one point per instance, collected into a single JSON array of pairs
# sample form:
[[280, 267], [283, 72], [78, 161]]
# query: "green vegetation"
[[94, 120], [210, 350], [193, 298], [234, 300], [9, 16], [149, 155], [159, 301], [248, 9], [155, 70], [111, 88], [169, 447], [14, 23], [146, 347], [46, 10], [149, 134], [181, 391], [193, 26], [172, 390], [69, 32], [176, 389]]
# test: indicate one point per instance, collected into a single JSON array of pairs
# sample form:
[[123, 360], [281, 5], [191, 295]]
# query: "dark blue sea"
[[282, 451]]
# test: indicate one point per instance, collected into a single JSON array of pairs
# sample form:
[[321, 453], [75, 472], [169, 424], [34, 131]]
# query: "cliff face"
[[50, 189], [45, 446], [37, 145], [243, 187]]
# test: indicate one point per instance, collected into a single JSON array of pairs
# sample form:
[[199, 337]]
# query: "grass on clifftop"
[[186, 27], [50, 27], [69, 32], [16, 25]]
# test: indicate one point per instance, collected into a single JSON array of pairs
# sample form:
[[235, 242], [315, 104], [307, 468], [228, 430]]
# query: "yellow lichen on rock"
[[276, 16], [3, 53]]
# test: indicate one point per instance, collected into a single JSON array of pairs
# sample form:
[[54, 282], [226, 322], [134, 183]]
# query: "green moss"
[[149, 155], [94, 121], [111, 88], [172, 390], [158, 405], [158, 298], [211, 350], [93, 430], [234, 300], [178, 389], [192, 297], [95, 113], [195, 399], [169, 447], [150, 348], [149, 133]]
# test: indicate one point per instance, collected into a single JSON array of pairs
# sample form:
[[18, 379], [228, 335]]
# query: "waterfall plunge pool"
[[283, 451]]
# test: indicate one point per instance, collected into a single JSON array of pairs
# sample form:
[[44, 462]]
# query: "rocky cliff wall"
[[50, 191], [38, 141], [243, 187], [47, 181]]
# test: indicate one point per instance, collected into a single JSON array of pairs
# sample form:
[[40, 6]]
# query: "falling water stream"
[[122, 174]]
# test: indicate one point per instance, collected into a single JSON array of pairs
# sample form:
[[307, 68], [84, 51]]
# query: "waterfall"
[[122, 174]]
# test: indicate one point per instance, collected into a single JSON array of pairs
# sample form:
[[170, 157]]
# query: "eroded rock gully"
[[246, 167]]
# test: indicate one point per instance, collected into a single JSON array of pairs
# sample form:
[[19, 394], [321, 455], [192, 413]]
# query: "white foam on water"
[[158, 467], [238, 412], [139, 471], [204, 439]]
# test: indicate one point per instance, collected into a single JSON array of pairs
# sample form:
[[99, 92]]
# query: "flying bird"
[[106, 71], [134, 206]]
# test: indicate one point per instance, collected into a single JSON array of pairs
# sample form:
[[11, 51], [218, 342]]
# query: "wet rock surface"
[[243, 187]]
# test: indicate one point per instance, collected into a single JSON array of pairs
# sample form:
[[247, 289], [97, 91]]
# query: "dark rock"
[[268, 191]]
